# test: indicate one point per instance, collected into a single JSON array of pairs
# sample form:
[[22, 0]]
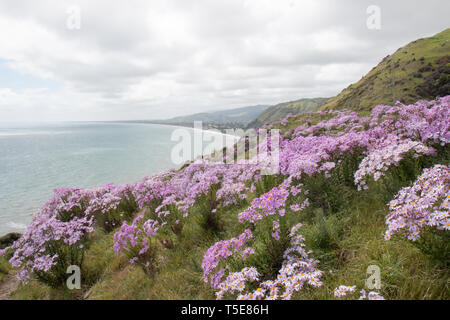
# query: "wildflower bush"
[[111, 205], [138, 243], [343, 291], [271, 265], [323, 158], [328, 159], [296, 270], [422, 206], [421, 213], [379, 161], [54, 240]]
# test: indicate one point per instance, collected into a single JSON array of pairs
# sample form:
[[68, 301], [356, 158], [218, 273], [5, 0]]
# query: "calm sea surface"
[[35, 159]]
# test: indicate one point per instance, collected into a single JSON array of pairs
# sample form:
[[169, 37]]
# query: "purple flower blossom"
[[424, 204]]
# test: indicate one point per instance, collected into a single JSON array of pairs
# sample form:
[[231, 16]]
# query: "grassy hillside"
[[279, 111], [419, 70], [346, 242], [342, 226], [344, 222]]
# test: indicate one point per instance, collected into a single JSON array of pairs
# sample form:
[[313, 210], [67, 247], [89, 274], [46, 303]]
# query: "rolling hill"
[[239, 115], [419, 70], [281, 110]]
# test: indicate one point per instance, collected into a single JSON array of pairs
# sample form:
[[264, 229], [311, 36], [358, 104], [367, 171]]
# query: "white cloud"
[[156, 59]]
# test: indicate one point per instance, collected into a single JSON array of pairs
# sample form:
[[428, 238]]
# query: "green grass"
[[281, 110], [5, 268], [356, 242], [346, 241]]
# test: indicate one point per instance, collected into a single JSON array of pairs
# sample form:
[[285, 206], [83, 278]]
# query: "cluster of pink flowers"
[[156, 188], [371, 296], [136, 240], [378, 162], [424, 204], [269, 204], [198, 178], [64, 221], [58, 225], [297, 270], [425, 121], [342, 291], [184, 187], [314, 154], [222, 250], [236, 282], [284, 121], [390, 131], [276, 230], [274, 203]]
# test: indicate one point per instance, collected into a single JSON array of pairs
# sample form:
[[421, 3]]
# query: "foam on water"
[[33, 133], [16, 226]]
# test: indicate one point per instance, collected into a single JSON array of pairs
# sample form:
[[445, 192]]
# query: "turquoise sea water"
[[35, 159]]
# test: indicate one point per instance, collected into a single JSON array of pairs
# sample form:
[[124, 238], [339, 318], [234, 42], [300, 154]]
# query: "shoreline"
[[9, 238], [10, 231], [174, 125]]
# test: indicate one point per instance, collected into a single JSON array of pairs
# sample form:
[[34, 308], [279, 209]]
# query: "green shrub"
[[436, 245], [209, 218], [67, 255]]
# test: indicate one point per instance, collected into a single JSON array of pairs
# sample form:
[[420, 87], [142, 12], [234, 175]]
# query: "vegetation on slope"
[[343, 227], [419, 70], [5, 267], [279, 111], [240, 116], [346, 243]]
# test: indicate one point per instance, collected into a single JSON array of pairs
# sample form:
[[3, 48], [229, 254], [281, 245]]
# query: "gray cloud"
[[156, 59]]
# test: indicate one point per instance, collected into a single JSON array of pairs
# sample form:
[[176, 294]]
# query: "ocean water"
[[35, 159]]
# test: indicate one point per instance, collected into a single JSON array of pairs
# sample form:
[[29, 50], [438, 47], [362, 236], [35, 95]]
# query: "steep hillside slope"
[[281, 110], [352, 192], [419, 70], [318, 226]]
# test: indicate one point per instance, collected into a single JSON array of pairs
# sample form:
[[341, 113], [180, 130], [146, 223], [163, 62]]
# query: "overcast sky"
[[157, 59]]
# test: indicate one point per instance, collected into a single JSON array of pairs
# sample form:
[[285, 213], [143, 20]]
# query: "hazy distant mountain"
[[281, 110], [239, 115]]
